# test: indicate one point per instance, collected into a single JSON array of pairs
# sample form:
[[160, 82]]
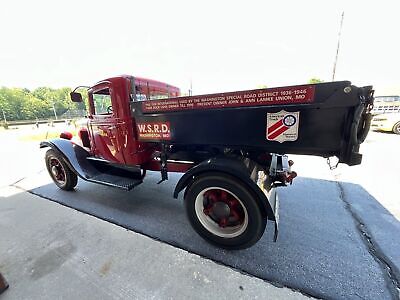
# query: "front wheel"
[[222, 210], [59, 171], [396, 128]]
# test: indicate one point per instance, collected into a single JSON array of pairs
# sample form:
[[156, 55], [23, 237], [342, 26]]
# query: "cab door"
[[104, 125]]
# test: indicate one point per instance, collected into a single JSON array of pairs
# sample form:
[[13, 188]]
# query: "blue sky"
[[219, 45]]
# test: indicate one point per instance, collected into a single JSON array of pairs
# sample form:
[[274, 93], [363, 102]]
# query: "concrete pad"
[[48, 251]]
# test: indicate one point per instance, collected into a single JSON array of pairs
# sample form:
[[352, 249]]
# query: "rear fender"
[[245, 170], [73, 154]]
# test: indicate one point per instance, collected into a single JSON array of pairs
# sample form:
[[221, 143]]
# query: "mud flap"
[[274, 202]]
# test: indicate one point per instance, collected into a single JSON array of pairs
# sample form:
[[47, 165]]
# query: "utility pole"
[[4, 116], [54, 109], [337, 50]]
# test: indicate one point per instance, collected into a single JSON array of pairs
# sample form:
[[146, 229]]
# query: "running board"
[[115, 181], [114, 175]]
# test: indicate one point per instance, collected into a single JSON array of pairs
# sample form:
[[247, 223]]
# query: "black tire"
[[206, 225], [59, 171], [396, 128]]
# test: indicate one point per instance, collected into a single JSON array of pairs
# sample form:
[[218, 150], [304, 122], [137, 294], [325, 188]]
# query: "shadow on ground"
[[319, 250]]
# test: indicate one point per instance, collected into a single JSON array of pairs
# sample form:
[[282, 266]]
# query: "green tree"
[[315, 80], [13, 103], [23, 104]]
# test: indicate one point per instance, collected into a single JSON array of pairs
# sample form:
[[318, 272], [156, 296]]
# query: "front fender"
[[73, 154]]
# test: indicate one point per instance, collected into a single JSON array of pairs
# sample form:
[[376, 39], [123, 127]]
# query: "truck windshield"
[[387, 99]]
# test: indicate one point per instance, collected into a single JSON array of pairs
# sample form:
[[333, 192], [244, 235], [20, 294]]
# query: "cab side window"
[[140, 94], [158, 95], [102, 102], [149, 92]]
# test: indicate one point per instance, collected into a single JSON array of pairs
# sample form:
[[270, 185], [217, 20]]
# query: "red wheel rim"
[[57, 170], [223, 208], [221, 212]]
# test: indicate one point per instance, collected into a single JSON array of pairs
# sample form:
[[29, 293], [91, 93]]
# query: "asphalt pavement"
[[320, 251]]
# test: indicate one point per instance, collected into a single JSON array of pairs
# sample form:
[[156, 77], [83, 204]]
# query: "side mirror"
[[76, 97]]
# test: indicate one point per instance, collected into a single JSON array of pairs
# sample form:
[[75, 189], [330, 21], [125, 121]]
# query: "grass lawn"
[[41, 135]]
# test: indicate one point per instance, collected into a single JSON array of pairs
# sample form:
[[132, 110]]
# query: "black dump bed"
[[325, 119]]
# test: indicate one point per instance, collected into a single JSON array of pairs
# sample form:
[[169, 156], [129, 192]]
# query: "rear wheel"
[[59, 171], [396, 128], [222, 210]]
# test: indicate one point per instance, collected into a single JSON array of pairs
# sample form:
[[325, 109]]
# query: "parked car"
[[387, 122], [386, 104]]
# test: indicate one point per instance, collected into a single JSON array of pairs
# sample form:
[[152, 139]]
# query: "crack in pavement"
[[13, 184], [384, 263]]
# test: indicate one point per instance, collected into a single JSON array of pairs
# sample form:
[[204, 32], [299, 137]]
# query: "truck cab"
[[111, 129]]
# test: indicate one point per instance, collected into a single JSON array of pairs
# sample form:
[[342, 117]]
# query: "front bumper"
[[379, 125]]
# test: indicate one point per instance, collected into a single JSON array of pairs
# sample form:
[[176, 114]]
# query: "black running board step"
[[115, 181], [104, 166]]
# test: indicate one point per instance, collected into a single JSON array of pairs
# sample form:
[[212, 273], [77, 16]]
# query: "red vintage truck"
[[231, 146]]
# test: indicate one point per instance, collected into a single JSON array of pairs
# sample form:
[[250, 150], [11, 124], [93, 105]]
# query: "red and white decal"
[[283, 126], [154, 131], [261, 97]]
